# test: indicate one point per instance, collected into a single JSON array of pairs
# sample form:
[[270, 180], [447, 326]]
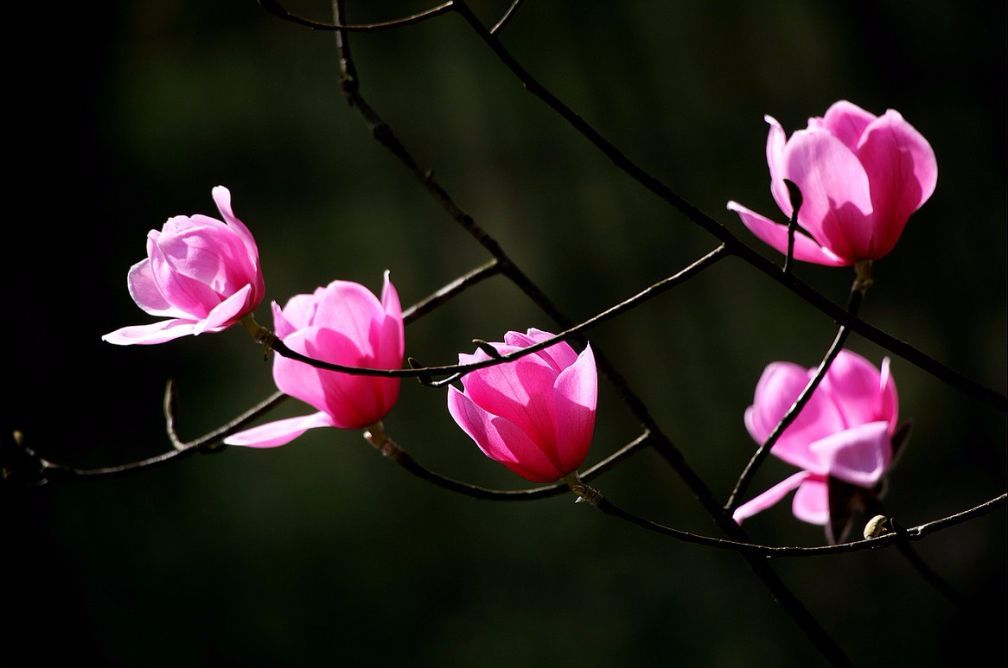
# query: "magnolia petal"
[[769, 497], [353, 401], [858, 455], [226, 313], [298, 379], [281, 432], [776, 236], [778, 388], [836, 198], [902, 170], [350, 309], [776, 140], [144, 291], [560, 355], [519, 391], [852, 383], [185, 293], [574, 403], [811, 501], [847, 122], [222, 198], [889, 410], [157, 332]]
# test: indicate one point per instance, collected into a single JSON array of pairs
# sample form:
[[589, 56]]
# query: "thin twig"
[[778, 552], [457, 370], [735, 246], [406, 462], [276, 9], [60, 472], [763, 451], [508, 15]]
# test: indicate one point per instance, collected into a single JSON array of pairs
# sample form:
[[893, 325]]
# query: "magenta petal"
[[776, 140], [352, 401], [226, 313], [852, 383], [836, 198], [390, 298], [513, 448], [298, 379], [769, 497], [889, 409], [519, 391], [350, 309], [811, 501], [158, 332], [145, 292], [281, 432], [858, 455], [777, 389], [902, 170], [574, 405], [776, 236], [847, 122], [185, 293], [222, 198]]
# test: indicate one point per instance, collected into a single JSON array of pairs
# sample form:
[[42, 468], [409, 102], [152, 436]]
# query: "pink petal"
[[559, 356], [352, 401], [777, 389], [210, 255], [145, 293], [297, 314], [836, 199], [776, 236], [281, 432], [519, 391], [157, 332], [889, 410], [183, 292], [227, 312], [222, 197], [513, 449], [350, 309], [776, 139], [847, 122], [853, 383], [769, 497], [858, 455], [811, 501], [902, 171], [574, 404], [298, 379], [390, 298]]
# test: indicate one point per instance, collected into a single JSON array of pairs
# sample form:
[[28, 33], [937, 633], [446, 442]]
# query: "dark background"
[[120, 114]]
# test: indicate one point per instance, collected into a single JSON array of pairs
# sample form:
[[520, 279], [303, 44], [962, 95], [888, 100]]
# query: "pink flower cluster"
[[860, 176]]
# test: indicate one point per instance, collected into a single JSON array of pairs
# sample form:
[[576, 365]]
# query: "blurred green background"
[[120, 114]]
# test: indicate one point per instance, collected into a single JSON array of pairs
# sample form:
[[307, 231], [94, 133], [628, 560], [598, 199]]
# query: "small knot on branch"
[[424, 379], [863, 276], [878, 526], [261, 335], [585, 493], [20, 465], [488, 348], [376, 436]]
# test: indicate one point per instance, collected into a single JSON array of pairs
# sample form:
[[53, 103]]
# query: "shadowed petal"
[[858, 455], [836, 199], [811, 501], [776, 236], [144, 291], [226, 313]]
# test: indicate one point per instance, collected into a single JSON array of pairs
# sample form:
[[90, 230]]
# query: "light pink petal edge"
[[280, 432]]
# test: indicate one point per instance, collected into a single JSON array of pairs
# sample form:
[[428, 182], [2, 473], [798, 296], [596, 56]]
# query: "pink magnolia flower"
[[201, 273], [844, 433], [535, 415], [860, 176], [343, 323]]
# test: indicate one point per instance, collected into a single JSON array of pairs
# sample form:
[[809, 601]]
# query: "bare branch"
[[276, 9]]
